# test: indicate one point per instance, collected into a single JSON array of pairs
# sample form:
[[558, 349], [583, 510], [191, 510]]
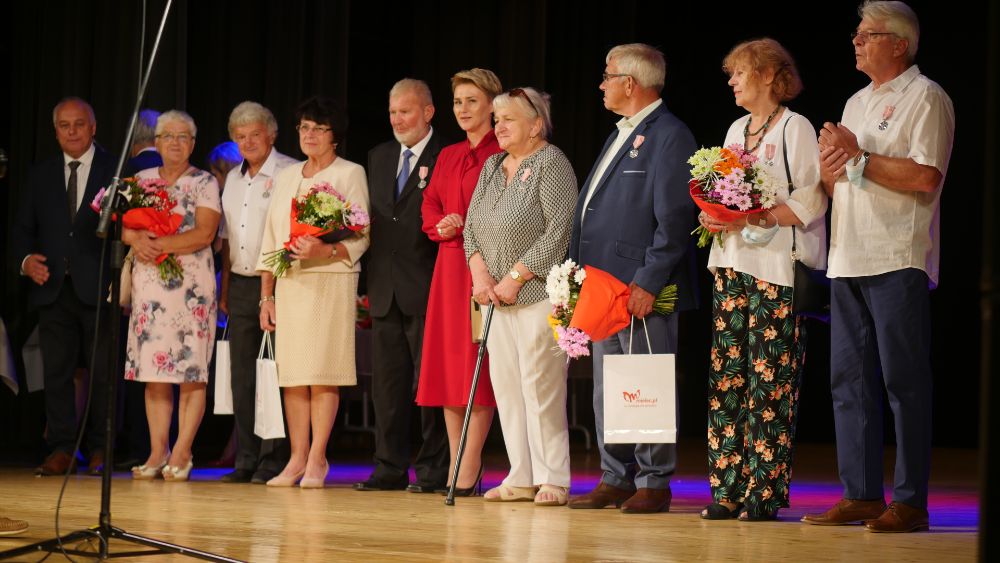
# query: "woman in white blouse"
[[758, 345]]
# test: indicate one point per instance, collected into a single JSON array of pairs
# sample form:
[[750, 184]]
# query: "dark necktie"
[[71, 189], [404, 173]]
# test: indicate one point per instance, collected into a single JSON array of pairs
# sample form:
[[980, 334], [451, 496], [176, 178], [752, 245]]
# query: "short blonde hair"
[[176, 115], [481, 78], [762, 55], [532, 103]]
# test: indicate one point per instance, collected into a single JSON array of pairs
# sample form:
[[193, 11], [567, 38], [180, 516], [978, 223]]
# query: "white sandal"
[[560, 495], [148, 472], [508, 493]]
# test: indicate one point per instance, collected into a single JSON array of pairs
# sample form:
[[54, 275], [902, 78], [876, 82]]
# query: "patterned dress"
[[172, 325]]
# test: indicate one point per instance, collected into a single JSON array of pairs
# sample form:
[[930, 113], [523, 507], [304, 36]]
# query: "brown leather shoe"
[[56, 464], [96, 464], [847, 511], [602, 496], [900, 517], [648, 501]]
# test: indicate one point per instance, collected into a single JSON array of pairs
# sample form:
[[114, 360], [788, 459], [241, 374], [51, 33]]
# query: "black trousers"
[[244, 342], [397, 341], [65, 329]]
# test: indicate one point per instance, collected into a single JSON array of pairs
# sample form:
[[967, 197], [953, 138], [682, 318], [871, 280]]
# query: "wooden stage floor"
[[257, 523]]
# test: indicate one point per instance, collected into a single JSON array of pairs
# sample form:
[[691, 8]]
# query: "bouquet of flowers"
[[322, 212], [589, 304], [364, 318], [148, 207], [728, 184]]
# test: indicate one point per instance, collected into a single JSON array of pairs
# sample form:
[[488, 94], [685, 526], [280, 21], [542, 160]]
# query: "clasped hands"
[[486, 290], [837, 146], [449, 225], [145, 245], [307, 247]]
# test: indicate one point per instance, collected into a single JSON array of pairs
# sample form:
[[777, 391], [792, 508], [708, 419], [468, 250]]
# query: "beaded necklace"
[[761, 131]]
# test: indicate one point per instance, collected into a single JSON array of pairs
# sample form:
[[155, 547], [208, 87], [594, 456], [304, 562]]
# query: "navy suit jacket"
[[639, 220], [141, 161], [400, 260], [42, 226]]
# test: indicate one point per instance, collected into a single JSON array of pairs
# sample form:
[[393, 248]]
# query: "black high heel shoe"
[[473, 491]]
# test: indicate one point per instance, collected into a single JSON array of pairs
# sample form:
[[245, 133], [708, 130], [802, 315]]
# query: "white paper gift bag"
[[640, 404], [268, 422], [223, 375]]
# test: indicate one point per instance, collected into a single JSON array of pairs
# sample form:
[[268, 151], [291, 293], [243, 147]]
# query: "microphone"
[[108, 205]]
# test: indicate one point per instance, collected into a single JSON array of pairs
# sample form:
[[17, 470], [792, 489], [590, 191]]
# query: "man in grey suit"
[[400, 263]]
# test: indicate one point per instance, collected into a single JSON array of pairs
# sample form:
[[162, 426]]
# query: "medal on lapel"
[[769, 151], [524, 176], [886, 114], [423, 177], [635, 146], [267, 188]]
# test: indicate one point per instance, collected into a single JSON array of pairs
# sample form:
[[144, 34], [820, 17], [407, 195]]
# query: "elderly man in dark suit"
[[55, 246], [400, 263], [143, 152], [633, 219]]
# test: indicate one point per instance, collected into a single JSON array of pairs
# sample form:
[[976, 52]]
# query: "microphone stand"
[[104, 532]]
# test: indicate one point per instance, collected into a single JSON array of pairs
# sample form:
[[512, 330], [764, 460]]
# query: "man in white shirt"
[[884, 166], [245, 201]]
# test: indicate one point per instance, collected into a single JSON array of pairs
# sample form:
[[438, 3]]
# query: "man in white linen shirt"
[[245, 201], [884, 166]]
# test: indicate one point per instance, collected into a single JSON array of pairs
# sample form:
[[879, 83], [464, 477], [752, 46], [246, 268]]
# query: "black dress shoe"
[[237, 476], [373, 484], [262, 476], [426, 488]]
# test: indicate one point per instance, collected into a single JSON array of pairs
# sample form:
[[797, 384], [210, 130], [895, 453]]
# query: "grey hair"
[[642, 62], [145, 127], [898, 18], [248, 113], [418, 87], [176, 115], [538, 108], [73, 99]]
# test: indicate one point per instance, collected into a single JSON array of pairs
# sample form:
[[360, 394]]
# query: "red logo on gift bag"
[[637, 400]]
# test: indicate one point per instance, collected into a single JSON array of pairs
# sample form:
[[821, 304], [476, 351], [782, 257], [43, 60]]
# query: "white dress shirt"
[[772, 262], [245, 202], [876, 229], [626, 126], [417, 150]]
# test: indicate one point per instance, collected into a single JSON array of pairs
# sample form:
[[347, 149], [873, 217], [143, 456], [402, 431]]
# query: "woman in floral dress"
[[172, 325], [758, 345]]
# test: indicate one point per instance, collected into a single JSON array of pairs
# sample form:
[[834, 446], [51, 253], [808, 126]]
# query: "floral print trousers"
[[758, 349]]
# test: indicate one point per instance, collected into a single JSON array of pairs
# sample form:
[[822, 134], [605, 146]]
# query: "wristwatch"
[[516, 276], [865, 156]]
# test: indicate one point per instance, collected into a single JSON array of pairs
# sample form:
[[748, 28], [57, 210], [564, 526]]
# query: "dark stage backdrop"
[[216, 54]]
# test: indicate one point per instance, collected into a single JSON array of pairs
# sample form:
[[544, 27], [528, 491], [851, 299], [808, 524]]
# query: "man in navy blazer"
[[55, 246], [143, 151], [633, 220]]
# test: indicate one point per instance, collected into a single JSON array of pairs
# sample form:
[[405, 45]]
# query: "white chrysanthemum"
[[328, 204], [703, 161], [580, 275]]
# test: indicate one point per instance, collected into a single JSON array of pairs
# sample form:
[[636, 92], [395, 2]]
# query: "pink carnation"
[[573, 341]]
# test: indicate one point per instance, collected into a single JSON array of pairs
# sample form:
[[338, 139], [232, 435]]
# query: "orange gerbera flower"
[[728, 162]]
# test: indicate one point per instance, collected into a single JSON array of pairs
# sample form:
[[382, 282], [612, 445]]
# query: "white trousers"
[[528, 373]]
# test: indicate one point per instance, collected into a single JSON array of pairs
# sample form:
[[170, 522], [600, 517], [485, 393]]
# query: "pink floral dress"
[[172, 325]]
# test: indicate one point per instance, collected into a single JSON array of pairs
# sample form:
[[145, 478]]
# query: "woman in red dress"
[[449, 354]]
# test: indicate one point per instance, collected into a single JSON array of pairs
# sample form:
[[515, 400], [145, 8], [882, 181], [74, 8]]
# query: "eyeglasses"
[[306, 129], [866, 36], [519, 92], [170, 137], [607, 76]]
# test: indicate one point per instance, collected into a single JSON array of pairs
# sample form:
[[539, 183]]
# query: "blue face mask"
[[753, 234]]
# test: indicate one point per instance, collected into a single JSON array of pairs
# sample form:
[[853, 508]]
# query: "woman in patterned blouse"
[[517, 228]]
